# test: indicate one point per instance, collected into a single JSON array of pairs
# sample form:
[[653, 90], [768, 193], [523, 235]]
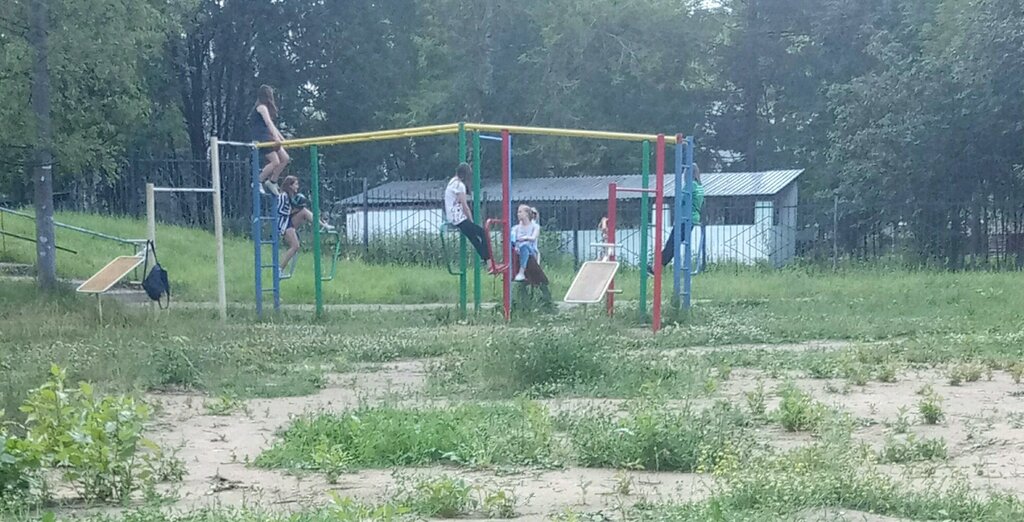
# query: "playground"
[[336, 388]]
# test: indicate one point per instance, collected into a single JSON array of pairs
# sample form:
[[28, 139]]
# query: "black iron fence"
[[408, 227]]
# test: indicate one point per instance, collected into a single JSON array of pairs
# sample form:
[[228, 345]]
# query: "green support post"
[[477, 197], [462, 238], [645, 174], [314, 184]]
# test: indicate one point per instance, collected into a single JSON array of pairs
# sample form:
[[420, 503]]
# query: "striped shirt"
[[284, 211]]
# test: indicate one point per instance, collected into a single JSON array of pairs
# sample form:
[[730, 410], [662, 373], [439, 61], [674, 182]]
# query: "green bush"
[[797, 410], [98, 443], [901, 450], [19, 469]]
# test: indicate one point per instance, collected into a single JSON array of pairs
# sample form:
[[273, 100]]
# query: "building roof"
[[586, 188]]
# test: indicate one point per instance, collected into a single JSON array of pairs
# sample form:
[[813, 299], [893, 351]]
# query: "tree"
[[46, 252]]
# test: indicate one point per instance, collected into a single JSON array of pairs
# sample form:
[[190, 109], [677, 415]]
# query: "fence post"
[[576, 238], [366, 216]]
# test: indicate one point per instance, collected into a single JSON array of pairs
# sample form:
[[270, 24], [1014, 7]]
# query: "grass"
[[379, 437], [653, 437], [135, 350], [649, 437], [755, 304], [964, 326], [189, 255], [558, 360]]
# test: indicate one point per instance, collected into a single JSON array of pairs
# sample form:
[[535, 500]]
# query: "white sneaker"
[[326, 227], [272, 187], [262, 191], [520, 277]]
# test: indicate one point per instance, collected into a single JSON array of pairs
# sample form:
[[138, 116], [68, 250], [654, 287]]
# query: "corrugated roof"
[[587, 188]]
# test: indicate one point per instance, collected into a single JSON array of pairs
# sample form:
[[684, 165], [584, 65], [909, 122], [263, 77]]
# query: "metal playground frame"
[[681, 216]]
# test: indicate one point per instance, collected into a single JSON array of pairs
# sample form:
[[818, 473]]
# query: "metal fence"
[[408, 227], [828, 233]]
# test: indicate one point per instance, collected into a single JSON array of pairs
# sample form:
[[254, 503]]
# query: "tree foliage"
[[901, 108]]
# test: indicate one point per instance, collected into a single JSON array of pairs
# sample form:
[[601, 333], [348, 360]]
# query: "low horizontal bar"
[[626, 189], [489, 137], [184, 189], [569, 133], [604, 245]]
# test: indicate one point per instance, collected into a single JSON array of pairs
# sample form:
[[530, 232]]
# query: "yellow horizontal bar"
[[389, 136], [366, 136], [570, 133], [451, 128]]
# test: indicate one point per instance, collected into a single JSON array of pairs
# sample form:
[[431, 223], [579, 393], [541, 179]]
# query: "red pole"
[[613, 197], [659, 203], [506, 231]]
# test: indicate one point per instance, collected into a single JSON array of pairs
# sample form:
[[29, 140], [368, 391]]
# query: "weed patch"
[[385, 436]]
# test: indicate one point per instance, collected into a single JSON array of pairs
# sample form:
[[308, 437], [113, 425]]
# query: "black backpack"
[[155, 283]]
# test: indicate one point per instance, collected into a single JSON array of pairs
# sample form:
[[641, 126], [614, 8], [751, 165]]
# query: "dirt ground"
[[215, 450], [983, 430]]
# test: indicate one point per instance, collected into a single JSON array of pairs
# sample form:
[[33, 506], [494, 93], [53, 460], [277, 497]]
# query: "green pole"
[[645, 174], [314, 184], [462, 238], [477, 197]]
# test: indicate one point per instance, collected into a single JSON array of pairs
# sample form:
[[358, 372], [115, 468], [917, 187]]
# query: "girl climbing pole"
[[293, 212], [264, 130]]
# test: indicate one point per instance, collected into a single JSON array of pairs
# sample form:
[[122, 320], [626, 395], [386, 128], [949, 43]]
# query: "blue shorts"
[[284, 223]]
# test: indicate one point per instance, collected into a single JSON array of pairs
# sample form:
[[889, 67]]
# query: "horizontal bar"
[[626, 189], [249, 144], [358, 137], [489, 137], [31, 240], [451, 128], [569, 133], [172, 189]]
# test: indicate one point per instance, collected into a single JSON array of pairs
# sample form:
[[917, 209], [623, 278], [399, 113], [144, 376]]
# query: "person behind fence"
[[264, 130], [602, 235], [293, 212], [459, 216], [668, 253], [524, 236]]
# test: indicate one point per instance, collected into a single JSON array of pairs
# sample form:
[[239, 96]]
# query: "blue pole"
[[678, 228], [276, 248], [257, 239], [688, 213]]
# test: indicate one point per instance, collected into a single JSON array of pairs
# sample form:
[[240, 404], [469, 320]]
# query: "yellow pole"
[[367, 136], [453, 128]]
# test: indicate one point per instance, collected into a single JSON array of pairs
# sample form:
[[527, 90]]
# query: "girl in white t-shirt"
[[525, 236], [457, 212]]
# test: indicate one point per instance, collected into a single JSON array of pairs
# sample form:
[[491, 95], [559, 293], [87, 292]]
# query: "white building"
[[748, 217]]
